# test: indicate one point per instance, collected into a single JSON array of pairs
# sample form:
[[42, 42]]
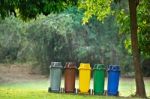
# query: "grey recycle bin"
[[55, 76]]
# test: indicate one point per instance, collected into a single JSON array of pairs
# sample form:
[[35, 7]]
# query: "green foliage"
[[28, 9], [11, 38], [143, 27], [98, 8], [7, 7], [62, 37]]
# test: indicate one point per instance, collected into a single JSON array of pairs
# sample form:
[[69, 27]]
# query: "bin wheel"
[[89, 91], [118, 93], [49, 89], [105, 92], [59, 90], [77, 91], [92, 93], [113, 95], [62, 90]]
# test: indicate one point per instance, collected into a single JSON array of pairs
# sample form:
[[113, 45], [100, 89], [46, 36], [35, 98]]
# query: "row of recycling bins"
[[84, 78]]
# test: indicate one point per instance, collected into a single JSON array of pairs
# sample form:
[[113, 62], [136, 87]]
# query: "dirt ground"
[[18, 73], [24, 72]]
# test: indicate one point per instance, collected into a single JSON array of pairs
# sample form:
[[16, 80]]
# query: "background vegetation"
[[62, 37]]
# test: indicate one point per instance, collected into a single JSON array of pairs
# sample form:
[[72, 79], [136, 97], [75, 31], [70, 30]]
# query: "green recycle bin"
[[98, 79], [55, 76]]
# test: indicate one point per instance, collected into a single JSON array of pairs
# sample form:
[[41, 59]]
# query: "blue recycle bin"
[[113, 80]]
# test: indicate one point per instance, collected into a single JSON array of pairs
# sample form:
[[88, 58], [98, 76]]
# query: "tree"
[[140, 87], [101, 9], [143, 20]]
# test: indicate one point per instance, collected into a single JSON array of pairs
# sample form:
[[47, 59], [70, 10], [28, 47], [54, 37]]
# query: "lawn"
[[38, 90], [43, 94]]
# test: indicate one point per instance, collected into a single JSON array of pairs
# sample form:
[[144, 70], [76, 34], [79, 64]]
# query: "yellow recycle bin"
[[84, 77]]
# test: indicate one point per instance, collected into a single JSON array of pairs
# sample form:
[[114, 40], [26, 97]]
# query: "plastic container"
[[98, 79], [55, 76], [113, 80], [70, 74], [84, 77]]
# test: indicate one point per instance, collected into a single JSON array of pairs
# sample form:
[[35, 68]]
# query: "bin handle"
[[115, 68], [99, 68]]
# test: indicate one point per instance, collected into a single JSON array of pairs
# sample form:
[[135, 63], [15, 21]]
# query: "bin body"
[[70, 74], [98, 79], [113, 80], [55, 76], [84, 77]]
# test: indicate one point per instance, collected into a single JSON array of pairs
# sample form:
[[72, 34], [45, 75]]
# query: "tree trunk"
[[140, 87]]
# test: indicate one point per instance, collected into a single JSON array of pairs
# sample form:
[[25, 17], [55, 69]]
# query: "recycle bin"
[[113, 80], [70, 74], [84, 77], [98, 79], [55, 76]]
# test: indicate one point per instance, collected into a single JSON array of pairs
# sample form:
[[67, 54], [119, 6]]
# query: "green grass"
[[35, 85], [43, 94], [38, 90]]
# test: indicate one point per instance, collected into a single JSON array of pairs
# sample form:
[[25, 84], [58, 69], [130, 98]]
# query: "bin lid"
[[85, 66], [113, 68], [56, 65], [70, 65], [99, 67]]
